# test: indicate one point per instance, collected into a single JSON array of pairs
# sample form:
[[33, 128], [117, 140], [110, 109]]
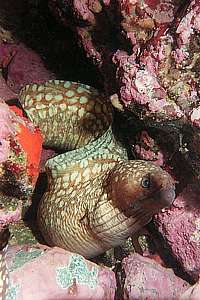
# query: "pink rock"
[[39, 272], [146, 56], [179, 226], [146, 279], [146, 148], [193, 293], [23, 66], [5, 92], [46, 154], [19, 162]]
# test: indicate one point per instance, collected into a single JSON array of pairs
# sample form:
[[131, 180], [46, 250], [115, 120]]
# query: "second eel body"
[[96, 197]]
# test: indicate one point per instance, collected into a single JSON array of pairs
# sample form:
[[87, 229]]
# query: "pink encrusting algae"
[[8, 128]]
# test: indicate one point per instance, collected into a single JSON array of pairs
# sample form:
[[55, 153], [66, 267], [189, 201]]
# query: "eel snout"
[[165, 197]]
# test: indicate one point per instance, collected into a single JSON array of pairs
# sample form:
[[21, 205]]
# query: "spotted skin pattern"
[[73, 111], [95, 198], [4, 278]]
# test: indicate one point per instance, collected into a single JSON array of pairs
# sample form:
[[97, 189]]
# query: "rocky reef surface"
[[145, 58], [147, 53]]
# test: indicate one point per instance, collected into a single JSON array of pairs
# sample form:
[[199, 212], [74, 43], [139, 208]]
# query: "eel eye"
[[145, 182]]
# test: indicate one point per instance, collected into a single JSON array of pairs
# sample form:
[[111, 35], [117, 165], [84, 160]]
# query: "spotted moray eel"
[[96, 197]]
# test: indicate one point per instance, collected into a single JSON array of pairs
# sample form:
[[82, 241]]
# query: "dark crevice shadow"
[[32, 23], [31, 213]]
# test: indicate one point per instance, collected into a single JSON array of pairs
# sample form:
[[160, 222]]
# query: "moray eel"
[[96, 197]]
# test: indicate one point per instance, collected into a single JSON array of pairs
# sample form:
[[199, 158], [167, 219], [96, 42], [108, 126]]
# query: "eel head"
[[140, 186]]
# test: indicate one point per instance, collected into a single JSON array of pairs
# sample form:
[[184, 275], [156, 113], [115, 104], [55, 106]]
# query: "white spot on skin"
[[40, 113], [73, 194], [40, 106], [61, 204], [27, 98], [73, 100], [98, 168], [30, 102], [63, 213], [70, 190], [116, 179], [70, 93], [78, 179], [63, 106], [45, 129], [31, 110], [61, 193], [83, 99], [74, 175], [34, 87], [51, 111], [81, 112], [84, 163], [40, 88], [74, 118], [38, 97], [48, 97], [67, 84], [80, 90], [66, 177], [104, 167], [58, 97], [73, 108], [86, 173]]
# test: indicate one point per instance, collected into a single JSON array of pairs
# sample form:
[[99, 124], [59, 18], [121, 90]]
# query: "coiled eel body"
[[96, 197]]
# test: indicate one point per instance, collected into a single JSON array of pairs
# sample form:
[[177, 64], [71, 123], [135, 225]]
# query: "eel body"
[[96, 197]]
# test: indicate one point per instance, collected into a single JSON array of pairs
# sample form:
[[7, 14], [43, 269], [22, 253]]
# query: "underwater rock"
[[21, 65], [193, 293], [147, 279], [46, 154], [19, 162], [148, 57], [5, 92], [39, 272], [179, 228]]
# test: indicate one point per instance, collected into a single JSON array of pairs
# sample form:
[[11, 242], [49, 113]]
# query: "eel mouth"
[[165, 197], [159, 200]]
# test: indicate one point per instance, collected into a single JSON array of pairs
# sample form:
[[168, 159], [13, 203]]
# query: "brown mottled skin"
[[96, 197]]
